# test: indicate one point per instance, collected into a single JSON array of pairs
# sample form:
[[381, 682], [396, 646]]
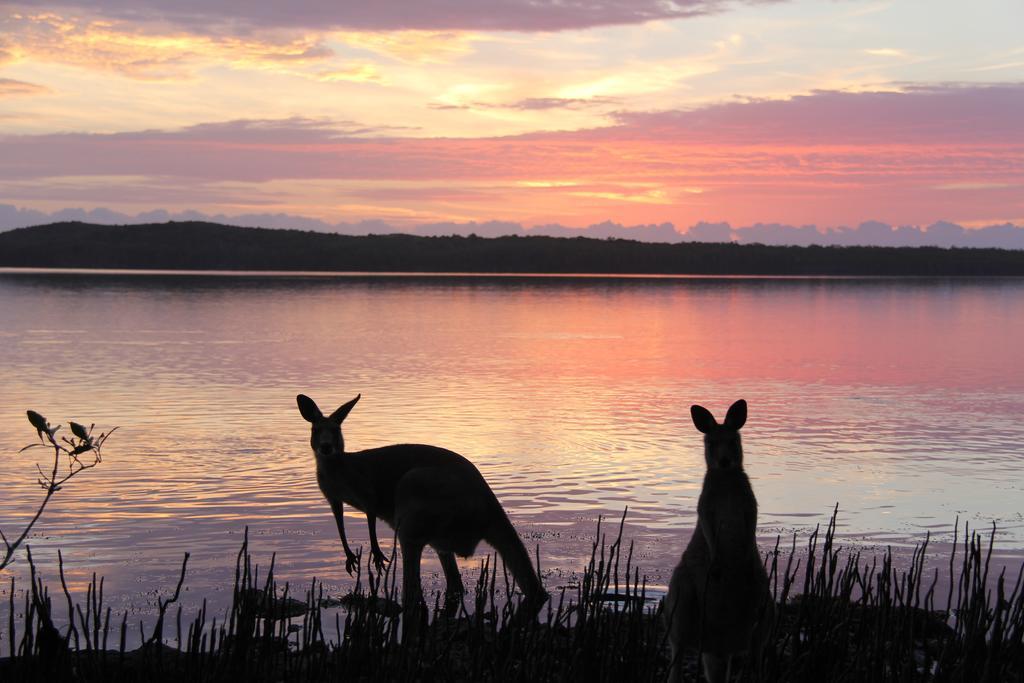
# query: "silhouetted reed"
[[840, 618]]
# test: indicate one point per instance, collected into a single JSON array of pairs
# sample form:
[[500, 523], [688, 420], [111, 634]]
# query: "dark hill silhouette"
[[211, 246]]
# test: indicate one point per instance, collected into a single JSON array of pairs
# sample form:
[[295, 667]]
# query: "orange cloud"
[[418, 47], [358, 73], [154, 53]]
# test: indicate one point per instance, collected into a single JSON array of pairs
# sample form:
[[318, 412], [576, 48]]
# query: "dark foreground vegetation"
[[841, 618], [210, 246]]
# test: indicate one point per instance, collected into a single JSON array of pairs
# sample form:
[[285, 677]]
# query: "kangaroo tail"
[[503, 537]]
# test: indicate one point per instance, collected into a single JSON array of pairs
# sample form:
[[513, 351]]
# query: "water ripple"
[[572, 400]]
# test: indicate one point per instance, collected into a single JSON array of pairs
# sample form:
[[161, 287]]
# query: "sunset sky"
[[574, 112]]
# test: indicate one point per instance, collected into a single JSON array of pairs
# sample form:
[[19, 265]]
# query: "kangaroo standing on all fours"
[[429, 495], [718, 599]]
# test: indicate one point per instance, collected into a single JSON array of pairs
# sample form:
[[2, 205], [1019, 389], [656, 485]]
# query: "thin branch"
[[12, 547], [52, 482]]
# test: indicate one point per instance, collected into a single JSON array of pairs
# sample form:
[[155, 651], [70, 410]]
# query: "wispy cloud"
[[12, 88], [412, 46], [357, 73], [886, 52], [969, 186], [561, 103], [390, 15], [1002, 66], [535, 104]]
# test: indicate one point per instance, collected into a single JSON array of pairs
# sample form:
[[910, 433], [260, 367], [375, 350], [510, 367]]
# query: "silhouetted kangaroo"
[[718, 600], [429, 495]]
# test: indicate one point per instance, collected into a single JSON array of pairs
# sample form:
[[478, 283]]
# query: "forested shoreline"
[[212, 246]]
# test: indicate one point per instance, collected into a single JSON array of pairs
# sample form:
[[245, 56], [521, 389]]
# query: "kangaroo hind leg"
[[454, 589], [452, 577], [680, 607], [716, 667], [414, 610]]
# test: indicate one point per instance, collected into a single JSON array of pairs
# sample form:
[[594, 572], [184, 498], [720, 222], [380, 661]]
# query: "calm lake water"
[[899, 399]]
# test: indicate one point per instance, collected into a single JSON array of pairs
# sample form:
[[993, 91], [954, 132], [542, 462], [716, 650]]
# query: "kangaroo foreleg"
[[379, 558], [351, 559]]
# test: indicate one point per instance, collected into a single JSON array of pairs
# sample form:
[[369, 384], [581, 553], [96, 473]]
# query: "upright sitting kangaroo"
[[431, 496], [718, 599]]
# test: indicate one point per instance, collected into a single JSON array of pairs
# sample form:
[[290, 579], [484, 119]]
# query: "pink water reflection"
[[899, 399]]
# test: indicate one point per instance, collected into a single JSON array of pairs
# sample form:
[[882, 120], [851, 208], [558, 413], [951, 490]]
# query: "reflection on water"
[[899, 399]]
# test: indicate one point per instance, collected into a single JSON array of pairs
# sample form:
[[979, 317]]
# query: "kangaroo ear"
[[308, 408], [703, 420], [341, 413], [737, 415]]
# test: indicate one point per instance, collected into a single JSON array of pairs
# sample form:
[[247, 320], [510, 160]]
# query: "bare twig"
[[65, 450]]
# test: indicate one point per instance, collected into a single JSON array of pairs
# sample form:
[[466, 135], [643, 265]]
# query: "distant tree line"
[[211, 246]]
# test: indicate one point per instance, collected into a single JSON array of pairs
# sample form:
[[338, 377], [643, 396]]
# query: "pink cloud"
[[914, 157], [387, 15], [948, 114]]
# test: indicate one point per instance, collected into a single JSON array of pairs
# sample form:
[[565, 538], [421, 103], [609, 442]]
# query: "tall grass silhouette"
[[840, 617]]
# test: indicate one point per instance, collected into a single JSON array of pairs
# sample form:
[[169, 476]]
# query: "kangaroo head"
[[722, 447], [325, 437]]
